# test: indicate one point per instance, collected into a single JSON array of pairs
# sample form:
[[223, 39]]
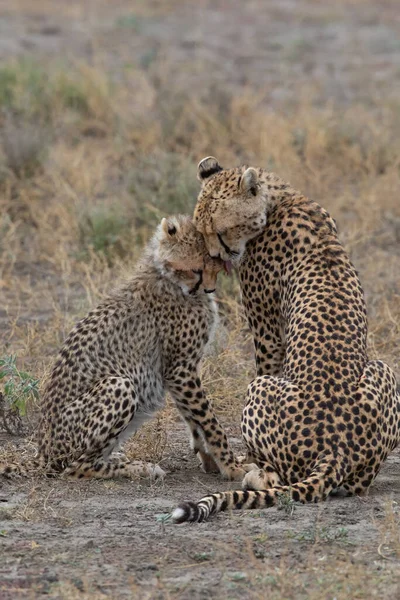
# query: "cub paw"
[[250, 467], [239, 471], [246, 459], [254, 480]]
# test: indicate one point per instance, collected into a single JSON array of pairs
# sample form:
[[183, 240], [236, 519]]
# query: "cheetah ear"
[[170, 227], [249, 182], [207, 167]]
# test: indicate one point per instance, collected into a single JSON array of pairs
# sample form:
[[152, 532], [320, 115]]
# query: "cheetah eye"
[[197, 271]]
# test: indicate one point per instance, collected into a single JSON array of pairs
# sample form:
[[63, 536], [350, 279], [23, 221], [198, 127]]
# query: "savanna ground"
[[106, 107]]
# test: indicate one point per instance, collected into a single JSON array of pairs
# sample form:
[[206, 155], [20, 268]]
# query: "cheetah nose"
[[215, 254]]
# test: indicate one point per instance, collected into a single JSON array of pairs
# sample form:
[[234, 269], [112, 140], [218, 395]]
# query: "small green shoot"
[[130, 21], [286, 503], [322, 534], [18, 388], [202, 556], [163, 518], [238, 576]]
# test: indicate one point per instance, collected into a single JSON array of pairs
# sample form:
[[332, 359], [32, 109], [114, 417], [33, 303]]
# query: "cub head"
[[231, 208], [182, 254]]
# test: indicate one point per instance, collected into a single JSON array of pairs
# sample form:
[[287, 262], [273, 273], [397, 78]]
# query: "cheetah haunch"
[[118, 362], [320, 415]]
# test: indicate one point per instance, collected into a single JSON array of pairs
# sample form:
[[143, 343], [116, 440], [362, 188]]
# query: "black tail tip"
[[187, 511]]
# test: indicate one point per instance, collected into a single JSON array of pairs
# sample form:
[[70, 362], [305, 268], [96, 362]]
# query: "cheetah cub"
[[117, 364]]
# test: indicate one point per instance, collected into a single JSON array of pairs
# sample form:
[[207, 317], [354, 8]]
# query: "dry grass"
[[75, 214]]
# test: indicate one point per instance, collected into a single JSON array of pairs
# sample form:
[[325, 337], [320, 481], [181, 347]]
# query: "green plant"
[[30, 92], [103, 230], [317, 534], [286, 503], [203, 556], [163, 519], [24, 145], [238, 576], [72, 93], [8, 80], [129, 21], [25, 88], [18, 388]]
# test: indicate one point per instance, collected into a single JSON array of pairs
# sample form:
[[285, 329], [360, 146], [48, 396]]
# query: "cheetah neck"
[[154, 269], [275, 191]]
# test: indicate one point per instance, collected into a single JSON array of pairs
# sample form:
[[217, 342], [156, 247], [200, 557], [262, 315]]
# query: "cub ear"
[[170, 227], [249, 182], [207, 167]]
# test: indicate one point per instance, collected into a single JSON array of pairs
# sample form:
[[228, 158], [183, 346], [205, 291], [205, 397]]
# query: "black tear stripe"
[[209, 172], [198, 284], [225, 247]]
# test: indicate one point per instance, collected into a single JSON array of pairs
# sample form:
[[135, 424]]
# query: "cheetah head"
[[182, 254], [231, 208]]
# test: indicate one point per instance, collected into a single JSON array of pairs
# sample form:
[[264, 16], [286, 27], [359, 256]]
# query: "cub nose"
[[215, 254]]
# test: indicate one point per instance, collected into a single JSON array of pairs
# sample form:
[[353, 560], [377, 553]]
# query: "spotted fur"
[[116, 365], [320, 415]]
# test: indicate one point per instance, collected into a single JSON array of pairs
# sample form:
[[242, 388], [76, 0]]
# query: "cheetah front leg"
[[208, 437], [198, 444]]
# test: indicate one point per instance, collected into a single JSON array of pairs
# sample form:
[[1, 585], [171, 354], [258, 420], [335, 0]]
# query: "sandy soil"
[[109, 538]]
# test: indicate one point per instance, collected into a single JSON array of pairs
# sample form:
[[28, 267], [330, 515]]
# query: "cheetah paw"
[[208, 464]]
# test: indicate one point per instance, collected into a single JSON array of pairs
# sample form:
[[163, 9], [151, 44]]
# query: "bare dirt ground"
[[103, 539]]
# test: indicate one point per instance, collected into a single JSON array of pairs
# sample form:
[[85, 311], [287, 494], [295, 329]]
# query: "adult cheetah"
[[117, 363], [320, 415]]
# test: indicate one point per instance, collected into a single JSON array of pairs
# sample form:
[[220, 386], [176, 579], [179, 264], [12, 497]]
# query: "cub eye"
[[197, 271]]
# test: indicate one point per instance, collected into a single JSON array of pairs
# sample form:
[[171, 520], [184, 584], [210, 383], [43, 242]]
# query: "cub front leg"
[[198, 444], [208, 437]]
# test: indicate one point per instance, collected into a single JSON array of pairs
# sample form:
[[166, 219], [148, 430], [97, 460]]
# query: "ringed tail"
[[196, 512], [325, 477]]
